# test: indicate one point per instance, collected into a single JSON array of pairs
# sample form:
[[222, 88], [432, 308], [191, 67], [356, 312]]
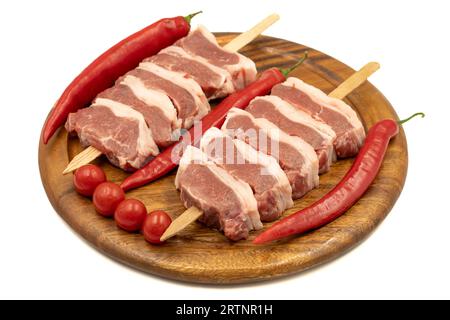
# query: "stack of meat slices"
[[335, 113], [147, 107], [228, 203], [276, 149]]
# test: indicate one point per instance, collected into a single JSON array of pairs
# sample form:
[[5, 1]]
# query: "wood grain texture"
[[199, 254]]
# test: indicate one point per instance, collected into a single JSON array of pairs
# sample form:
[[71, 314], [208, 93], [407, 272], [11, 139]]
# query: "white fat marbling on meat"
[[241, 189], [146, 144], [243, 72], [226, 83], [243, 192], [250, 155], [206, 33], [322, 99], [190, 155], [298, 115], [311, 168], [270, 164], [153, 98], [190, 85]]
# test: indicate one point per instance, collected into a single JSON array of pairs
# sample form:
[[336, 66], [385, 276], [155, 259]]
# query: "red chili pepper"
[[115, 62], [164, 162], [346, 192]]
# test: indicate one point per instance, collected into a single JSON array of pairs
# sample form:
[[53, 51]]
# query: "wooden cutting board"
[[202, 255]]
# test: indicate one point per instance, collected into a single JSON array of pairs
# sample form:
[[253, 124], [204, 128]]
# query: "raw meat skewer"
[[91, 153], [345, 88]]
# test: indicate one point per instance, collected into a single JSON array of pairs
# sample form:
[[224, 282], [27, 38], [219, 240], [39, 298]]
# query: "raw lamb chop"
[[334, 112], [201, 44], [227, 203], [269, 183], [157, 109], [296, 157], [117, 130], [215, 82], [186, 94]]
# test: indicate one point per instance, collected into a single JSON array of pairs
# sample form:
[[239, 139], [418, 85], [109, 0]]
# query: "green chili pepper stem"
[[286, 72], [188, 18], [401, 122]]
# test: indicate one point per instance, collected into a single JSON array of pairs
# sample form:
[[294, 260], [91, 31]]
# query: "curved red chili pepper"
[[346, 192], [115, 62], [163, 163]]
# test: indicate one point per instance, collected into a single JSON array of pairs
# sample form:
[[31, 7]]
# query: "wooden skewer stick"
[[180, 223], [84, 157], [354, 81], [245, 38], [90, 153]]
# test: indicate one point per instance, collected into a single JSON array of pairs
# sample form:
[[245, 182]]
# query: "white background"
[[44, 44]]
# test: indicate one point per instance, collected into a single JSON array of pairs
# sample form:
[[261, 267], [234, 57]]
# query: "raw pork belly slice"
[[297, 123], [186, 94], [157, 109], [296, 157], [214, 81], [269, 183], [117, 130], [227, 203], [334, 112], [202, 44]]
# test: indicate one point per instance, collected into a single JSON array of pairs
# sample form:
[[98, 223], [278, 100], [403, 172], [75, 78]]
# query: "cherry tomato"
[[154, 226], [107, 197], [130, 215], [87, 178]]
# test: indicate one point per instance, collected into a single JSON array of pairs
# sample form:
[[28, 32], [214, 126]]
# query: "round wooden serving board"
[[202, 255]]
